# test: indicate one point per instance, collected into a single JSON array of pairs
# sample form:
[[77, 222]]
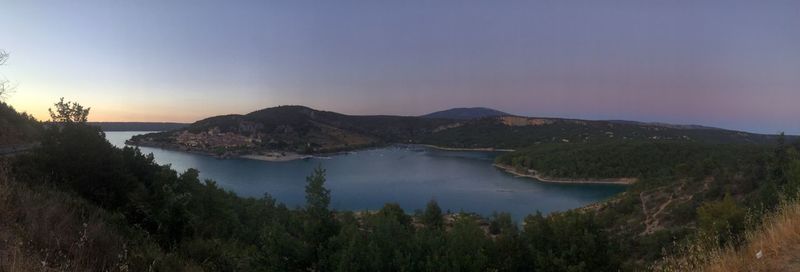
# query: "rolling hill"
[[304, 130]]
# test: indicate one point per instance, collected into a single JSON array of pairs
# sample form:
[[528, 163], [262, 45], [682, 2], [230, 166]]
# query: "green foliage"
[[570, 241], [466, 246], [79, 157], [508, 251], [491, 132], [432, 216], [724, 219], [319, 224], [638, 159]]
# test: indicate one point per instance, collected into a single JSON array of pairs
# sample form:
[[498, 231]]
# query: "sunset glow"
[[731, 64]]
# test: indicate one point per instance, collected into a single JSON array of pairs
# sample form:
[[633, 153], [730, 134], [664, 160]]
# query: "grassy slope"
[[47, 229], [778, 239]]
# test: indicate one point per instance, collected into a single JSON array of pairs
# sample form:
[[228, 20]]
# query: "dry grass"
[[778, 240], [46, 230]]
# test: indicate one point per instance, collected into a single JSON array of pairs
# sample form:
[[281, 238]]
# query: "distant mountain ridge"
[[138, 126], [465, 113]]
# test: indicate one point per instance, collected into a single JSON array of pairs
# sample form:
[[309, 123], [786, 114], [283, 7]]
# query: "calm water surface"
[[410, 176]]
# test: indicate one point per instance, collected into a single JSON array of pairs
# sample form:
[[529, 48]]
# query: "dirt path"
[[651, 221]]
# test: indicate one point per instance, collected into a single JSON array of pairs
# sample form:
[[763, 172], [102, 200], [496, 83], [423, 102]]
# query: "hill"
[[16, 129], [514, 132], [465, 113], [304, 130], [291, 129]]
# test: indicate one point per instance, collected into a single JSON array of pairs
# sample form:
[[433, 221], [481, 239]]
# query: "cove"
[[407, 175]]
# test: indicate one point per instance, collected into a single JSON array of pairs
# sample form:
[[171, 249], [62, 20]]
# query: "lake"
[[407, 175]]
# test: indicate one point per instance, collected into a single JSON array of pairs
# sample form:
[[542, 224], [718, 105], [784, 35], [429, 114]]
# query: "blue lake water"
[[408, 175]]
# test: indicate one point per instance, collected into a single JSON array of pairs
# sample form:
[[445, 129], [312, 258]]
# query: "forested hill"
[[514, 132], [293, 129], [305, 130]]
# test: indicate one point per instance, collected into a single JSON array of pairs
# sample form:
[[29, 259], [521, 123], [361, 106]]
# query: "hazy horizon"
[[732, 65]]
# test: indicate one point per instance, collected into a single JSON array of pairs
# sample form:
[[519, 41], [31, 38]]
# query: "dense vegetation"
[[630, 158], [685, 190], [16, 128], [170, 221], [493, 132], [137, 215]]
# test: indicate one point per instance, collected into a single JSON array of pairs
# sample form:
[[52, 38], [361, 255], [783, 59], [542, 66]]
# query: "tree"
[[320, 224], [394, 212], [466, 246], [432, 217], [723, 218], [69, 112], [507, 253], [318, 198]]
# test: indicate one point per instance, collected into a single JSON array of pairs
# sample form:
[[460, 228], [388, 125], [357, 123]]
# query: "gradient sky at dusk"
[[731, 64]]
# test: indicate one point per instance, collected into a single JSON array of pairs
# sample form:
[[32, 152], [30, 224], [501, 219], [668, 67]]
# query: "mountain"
[[465, 113], [304, 130]]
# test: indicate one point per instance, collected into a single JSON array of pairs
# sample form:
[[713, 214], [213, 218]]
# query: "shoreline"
[[273, 157], [287, 156], [536, 176], [279, 158], [491, 149]]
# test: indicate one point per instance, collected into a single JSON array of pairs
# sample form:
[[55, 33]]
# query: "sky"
[[731, 64]]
